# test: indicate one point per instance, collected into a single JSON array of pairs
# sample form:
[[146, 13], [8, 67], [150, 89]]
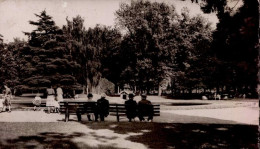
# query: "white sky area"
[[15, 14]]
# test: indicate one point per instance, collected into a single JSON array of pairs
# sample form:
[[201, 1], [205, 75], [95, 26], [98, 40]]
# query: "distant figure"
[[218, 96], [50, 91], [215, 95], [204, 97], [90, 105], [1, 102], [145, 108], [102, 108], [36, 101], [56, 105], [59, 94], [244, 96], [50, 98], [7, 98], [131, 107]]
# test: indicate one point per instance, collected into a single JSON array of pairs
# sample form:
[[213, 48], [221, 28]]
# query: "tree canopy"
[[46, 61], [151, 47]]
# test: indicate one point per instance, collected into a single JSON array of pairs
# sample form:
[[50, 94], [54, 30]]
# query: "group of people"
[[144, 107], [52, 100], [101, 108], [6, 99]]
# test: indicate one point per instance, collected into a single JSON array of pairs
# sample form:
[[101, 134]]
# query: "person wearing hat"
[[102, 108], [131, 107], [145, 108]]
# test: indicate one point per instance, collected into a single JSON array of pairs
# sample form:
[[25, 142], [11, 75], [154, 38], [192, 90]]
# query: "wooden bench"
[[120, 110], [76, 108]]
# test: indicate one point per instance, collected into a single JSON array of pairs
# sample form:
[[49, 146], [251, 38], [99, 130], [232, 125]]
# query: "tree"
[[75, 44], [9, 65], [102, 50], [160, 44], [235, 44], [95, 49], [45, 60], [145, 46]]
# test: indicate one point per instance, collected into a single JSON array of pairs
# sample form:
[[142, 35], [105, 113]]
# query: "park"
[[129, 74]]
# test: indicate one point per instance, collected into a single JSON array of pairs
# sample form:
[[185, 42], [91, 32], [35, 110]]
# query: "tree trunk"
[[159, 90]]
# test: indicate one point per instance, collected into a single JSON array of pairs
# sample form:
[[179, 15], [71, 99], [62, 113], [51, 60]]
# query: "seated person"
[[36, 101], [56, 105], [102, 108], [90, 105], [145, 108], [131, 107]]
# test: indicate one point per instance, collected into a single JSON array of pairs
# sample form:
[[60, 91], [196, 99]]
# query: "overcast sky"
[[15, 14]]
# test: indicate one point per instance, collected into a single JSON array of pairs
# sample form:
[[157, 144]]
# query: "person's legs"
[[9, 108], [57, 109], [140, 116], [79, 116], [102, 117], [89, 119], [96, 117], [9, 105], [150, 117]]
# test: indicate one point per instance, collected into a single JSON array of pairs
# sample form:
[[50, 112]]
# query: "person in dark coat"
[[102, 108], [145, 108], [131, 107]]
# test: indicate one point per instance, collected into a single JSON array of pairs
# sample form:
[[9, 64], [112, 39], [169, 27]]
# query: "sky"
[[15, 14]]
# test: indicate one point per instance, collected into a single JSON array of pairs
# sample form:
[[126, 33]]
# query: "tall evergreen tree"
[[45, 60]]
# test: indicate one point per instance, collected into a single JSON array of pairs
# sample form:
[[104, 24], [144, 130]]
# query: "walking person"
[[102, 108], [145, 108], [131, 107]]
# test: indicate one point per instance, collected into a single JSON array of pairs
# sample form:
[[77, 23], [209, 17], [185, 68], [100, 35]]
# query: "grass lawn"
[[113, 135]]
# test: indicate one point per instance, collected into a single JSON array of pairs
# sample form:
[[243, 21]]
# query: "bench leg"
[[117, 117], [49, 110], [67, 115], [79, 117]]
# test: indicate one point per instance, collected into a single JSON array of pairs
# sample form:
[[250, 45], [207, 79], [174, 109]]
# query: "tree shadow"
[[166, 135], [43, 140], [50, 140]]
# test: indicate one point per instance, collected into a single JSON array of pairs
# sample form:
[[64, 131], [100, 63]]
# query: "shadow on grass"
[[158, 135], [51, 140]]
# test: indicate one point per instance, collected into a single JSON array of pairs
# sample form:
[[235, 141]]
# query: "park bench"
[[76, 108], [119, 110]]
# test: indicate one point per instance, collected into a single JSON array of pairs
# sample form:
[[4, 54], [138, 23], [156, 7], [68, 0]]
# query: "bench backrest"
[[120, 109], [76, 106]]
